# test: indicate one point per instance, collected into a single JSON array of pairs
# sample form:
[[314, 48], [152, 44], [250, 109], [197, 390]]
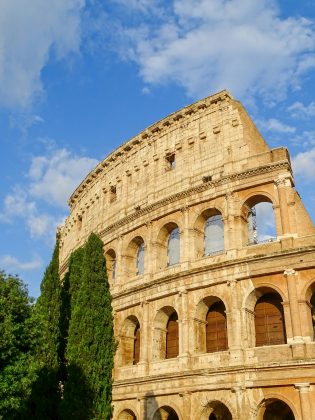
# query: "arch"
[[135, 257], [265, 317], [209, 232], [259, 219], [215, 410], [130, 341], [111, 264], [165, 413], [275, 409], [169, 243], [165, 334], [127, 414], [211, 325], [310, 302]]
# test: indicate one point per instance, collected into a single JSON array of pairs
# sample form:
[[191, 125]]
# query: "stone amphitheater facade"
[[217, 335]]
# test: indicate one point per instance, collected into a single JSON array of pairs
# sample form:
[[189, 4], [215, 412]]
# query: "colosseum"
[[211, 261]]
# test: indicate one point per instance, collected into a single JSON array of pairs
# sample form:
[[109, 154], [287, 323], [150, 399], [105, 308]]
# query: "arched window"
[[173, 247], [216, 333], [277, 409], [111, 265], [312, 302], [214, 235], [140, 259], [269, 320], [261, 223], [136, 345], [172, 337]]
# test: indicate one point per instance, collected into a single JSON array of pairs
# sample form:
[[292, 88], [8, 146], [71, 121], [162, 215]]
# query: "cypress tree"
[[91, 344], [46, 392]]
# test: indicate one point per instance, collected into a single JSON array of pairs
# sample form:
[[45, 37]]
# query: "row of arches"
[[209, 235], [210, 326], [270, 409]]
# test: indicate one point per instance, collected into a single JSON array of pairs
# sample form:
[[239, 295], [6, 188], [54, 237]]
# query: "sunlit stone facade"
[[213, 313]]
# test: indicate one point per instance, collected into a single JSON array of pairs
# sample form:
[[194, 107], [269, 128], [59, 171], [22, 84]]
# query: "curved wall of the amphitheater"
[[206, 159]]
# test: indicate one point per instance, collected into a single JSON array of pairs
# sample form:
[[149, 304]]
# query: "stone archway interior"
[[127, 415], [166, 413], [278, 410], [219, 411]]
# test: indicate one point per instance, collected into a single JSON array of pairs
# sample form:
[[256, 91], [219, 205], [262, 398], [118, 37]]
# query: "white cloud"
[[55, 176], [28, 35], [207, 45], [304, 165], [276, 126], [12, 263], [304, 139], [299, 110], [41, 201]]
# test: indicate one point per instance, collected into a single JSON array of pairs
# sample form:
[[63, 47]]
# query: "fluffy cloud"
[[276, 126], [28, 35], [54, 177], [304, 165], [41, 201], [207, 45], [299, 110], [12, 263]]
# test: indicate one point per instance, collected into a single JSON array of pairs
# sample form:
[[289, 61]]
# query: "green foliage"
[[91, 344], [18, 335]]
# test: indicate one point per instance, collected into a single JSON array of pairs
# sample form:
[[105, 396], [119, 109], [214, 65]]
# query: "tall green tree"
[[18, 336], [91, 344], [47, 390]]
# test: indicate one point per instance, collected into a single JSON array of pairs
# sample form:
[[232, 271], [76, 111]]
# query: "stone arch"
[[215, 410], [309, 295], [209, 232], [130, 341], [165, 331], [134, 264], [276, 407], [111, 265], [210, 328], [258, 219], [265, 317], [127, 414], [163, 244], [166, 412]]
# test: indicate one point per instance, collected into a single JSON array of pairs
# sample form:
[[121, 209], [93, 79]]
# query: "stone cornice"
[[165, 124]]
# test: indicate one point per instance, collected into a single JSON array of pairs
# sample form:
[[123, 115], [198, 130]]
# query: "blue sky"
[[79, 77]]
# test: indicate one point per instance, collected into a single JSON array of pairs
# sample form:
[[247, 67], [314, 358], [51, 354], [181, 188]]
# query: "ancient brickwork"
[[213, 320]]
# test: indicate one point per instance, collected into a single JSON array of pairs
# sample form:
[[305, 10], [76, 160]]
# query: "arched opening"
[[275, 409], [111, 265], [134, 258], [216, 410], [260, 218], [216, 331], [269, 320], [165, 413], [168, 246], [172, 337], [165, 334], [210, 326], [213, 235], [130, 341], [127, 415], [173, 247]]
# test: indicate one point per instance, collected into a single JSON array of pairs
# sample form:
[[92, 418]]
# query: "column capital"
[[290, 272], [302, 386], [283, 180]]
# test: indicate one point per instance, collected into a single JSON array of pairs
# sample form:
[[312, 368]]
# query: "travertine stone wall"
[[221, 165]]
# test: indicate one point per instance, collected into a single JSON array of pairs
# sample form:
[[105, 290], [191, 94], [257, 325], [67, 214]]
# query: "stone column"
[[184, 336], [185, 237], [143, 407], [291, 276], [306, 409], [145, 335], [119, 275], [238, 391], [283, 184], [149, 251], [234, 324]]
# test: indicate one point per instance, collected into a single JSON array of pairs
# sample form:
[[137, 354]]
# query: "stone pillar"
[[186, 404], [186, 237], [184, 336], [306, 409], [119, 275], [238, 391], [145, 336], [149, 251], [143, 407], [291, 276], [284, 184], [234, 324]]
